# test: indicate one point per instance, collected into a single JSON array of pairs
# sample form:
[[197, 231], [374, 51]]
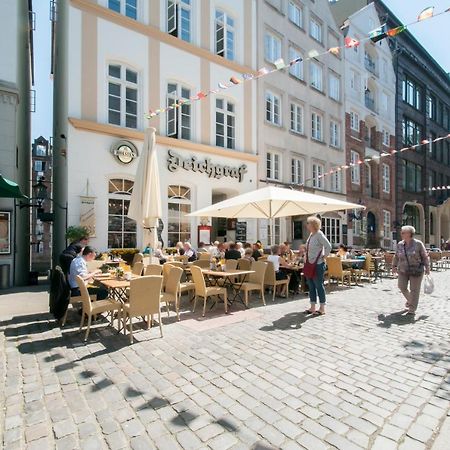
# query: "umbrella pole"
[[272, 231]]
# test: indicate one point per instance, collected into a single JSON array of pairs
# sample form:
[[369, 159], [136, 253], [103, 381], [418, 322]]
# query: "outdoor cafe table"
[[227, 276], [117, 289]]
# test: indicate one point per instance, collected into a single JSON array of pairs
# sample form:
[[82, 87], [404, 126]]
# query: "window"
[[297, 118], [179, 205], [386, 224], [355, 80], [386, 178], [384, 102], [354, 121], [297, 171], [317, 175], [296, 70], [331, 228], [411, 93], [125, 7], [336, 183], [355, 170], [431, 107], [273, 166], [272, 47], [335, 134], [334, 86], [121, 229], [273, 108], [224, 35], [412, 215], [178, 119], [277, 230], [411, 176], [179, 19], [316, 75], [40, 150], [315, 29], [295, 14], [39, 166], [316, 126], [122, 96], [225, 124], [386, 138], [412, 132]]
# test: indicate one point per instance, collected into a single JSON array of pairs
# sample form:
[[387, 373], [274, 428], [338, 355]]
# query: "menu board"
[[5, 233], [241, 231]]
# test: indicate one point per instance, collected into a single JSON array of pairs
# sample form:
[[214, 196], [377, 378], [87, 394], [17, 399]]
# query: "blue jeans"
[[316, 287]]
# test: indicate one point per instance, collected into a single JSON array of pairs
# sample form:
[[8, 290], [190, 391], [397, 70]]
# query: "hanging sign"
[[206, 166], [87, 213]]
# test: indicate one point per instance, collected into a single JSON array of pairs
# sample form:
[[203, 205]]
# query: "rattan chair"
[[153, 269], [336, 271], [255, 281], [204, 292], [144, 301], [93, 308], [244, 264], [171, 292], [271, 280], [202, 263], [137, 268], [202, 256]]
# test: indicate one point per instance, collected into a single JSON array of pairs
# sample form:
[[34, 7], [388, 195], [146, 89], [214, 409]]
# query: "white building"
[[116, 59], [301, 121]]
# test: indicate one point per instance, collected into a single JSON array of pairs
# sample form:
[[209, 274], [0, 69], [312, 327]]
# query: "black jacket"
[[233, 254], [59, 293]]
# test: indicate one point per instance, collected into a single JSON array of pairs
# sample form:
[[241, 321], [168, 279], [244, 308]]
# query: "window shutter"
[[172, 17]]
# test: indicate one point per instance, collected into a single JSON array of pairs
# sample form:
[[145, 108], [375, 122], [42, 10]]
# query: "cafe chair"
[[202, 263], [73, 300], [93, 308], [138, 257], [144, 301], [137, 268], [255, 281], [244, 264], [367, 269], [205, 292], [171, 292], [204, 256], [271, 280], [153, 269], [336, 272], [231, 264]]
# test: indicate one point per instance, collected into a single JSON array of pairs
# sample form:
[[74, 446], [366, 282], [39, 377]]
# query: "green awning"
[[9, 189]]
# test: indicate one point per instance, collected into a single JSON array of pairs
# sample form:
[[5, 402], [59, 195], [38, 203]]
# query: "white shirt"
[[78, 266], [275, 260]]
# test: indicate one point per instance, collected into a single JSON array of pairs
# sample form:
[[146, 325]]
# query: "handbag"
[[412, 271], [309, 269]]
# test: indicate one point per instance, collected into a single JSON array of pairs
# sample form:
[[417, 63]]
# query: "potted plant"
[[119, 273], [105, 268], [75, 233]]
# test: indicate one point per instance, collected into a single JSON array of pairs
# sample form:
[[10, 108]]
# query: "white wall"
[[8, 40]]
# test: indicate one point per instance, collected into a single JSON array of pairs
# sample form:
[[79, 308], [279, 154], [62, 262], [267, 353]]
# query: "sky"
[[433, 34]]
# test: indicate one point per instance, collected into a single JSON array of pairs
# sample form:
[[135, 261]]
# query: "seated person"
[[240, 248], [214, 249], [180, 248], [79, 267], [202, 248], [278, 263], [256, 251], [232, 252], [249, 254], [68, 255], [287, 252], [343, 252], [190, 252]]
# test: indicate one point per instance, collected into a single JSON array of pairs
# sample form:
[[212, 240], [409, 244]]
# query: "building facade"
[[369, 131], [16, 78], [301, 109], [116, 60], [422, 113]]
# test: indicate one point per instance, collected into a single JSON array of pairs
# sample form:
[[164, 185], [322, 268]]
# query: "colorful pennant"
[[426, 14], [351, 42], [394, 31], [378, 34]]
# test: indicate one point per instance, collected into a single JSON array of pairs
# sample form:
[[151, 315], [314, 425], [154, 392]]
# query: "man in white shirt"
[[78, 267]]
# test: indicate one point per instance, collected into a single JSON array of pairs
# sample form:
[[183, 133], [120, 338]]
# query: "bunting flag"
[[378, 34], [426, 14], [394, 31], [351, 42]]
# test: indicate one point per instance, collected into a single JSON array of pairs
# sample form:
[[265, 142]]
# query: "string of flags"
[[375, 35], [439, 188], [390, 152]]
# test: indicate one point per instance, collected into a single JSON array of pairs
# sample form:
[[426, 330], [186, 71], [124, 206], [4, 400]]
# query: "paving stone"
[[310, 442], [383, 443], [63, 428], [420, 433], [341, 442]]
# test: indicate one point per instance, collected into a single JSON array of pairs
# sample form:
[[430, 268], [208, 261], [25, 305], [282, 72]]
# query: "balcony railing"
[[370, 65], [370, 102]]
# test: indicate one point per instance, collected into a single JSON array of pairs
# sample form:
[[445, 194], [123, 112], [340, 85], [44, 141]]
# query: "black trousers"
[[100, 292]]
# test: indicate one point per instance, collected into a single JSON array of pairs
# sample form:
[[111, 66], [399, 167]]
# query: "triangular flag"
[[426, 14], [214, 91], [279, 63], [222, 86], [351, 42], [335, 51], [394, 31], [201, 95], [263, 71], [345, 27], [378, 34], [313, 53], [235, 80], [295, 61], [248, 76]]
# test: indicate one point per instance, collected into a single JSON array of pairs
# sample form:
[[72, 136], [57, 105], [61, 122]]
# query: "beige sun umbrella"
[[271, 202], [145, 204]]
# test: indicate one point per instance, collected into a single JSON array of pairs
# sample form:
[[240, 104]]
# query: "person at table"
[[288, 253], [202, 248], [343, 252], [278, 263], [301, 254], [68, 255], [410, 262], [179, 248], [248, 254], [256, 251], [190, 252], [317, 248], [79, 267], [232, 252], [240, 248]]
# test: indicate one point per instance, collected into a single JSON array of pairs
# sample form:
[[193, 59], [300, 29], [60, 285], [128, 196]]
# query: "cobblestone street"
[[360, 377]]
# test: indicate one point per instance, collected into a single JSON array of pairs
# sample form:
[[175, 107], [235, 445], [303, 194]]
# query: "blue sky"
[[434, 35]]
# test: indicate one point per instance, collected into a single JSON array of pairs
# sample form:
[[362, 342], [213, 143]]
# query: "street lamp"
[[40, 191]]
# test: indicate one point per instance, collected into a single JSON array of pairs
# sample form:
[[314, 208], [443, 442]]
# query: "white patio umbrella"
[[272, 202], [145, 204]]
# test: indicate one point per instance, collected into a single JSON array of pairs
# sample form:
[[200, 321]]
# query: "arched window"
[[179, 226], [411, 216], [121, 229]]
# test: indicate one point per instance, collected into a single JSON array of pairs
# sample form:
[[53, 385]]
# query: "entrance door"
[[371, 230]]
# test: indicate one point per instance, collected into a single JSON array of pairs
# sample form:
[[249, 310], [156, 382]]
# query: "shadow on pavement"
[[291, 321], [398, 318]]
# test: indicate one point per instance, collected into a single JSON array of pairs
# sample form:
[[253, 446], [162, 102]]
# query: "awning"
[[9, 189]]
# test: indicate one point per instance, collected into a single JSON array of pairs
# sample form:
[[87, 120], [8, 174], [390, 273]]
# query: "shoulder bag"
[[309, 269]]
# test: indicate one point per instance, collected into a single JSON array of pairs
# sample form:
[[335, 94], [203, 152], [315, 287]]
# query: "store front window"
[[121, 229], [179, 226], [332, 229]]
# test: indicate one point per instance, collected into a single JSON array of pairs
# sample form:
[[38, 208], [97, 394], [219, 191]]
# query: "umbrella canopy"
[[9, 189], [272, 202], [145, 204]]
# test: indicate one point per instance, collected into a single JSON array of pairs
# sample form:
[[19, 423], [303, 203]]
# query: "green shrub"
[[75, 233], [126, 254]]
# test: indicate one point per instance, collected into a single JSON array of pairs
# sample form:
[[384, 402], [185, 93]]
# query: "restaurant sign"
[[192, 164]]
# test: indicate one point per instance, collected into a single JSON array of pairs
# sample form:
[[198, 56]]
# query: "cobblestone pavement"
[[266, 378]]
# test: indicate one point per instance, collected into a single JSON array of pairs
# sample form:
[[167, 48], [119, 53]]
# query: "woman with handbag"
[[410, 262], [317, 248]]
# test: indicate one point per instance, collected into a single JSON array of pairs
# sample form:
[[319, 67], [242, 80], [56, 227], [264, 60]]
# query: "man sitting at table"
[[232, 252], [79, 267]]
